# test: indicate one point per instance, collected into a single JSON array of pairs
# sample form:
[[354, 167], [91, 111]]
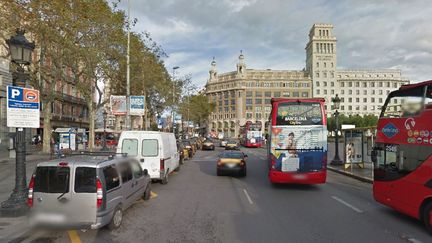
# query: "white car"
[[223, 143]]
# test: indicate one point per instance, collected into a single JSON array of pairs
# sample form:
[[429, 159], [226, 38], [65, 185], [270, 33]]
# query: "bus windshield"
[[407, 103], [295, 113]]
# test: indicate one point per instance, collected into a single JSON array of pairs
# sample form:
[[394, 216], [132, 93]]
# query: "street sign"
[[118, 104], [137, 105], [23, 107]]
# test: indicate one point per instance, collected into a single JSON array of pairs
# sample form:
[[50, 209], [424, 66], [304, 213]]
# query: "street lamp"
[[336, 102], [172, 111], [105, 115], [21, 52]]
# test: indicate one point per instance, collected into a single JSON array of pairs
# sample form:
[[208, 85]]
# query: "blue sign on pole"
[[23, 107], [137, 105]]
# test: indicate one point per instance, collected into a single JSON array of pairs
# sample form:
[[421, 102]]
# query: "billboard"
[[23, 107], [118, 104], [136, 107]]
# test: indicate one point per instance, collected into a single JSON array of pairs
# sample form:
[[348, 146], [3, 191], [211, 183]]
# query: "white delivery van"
[[156, 151]]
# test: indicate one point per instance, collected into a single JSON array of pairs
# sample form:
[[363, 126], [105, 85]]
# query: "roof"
[[297, 99], [80, 160], [411, 86]]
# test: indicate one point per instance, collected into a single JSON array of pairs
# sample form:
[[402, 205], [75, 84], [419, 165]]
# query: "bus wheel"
[[427, 217]]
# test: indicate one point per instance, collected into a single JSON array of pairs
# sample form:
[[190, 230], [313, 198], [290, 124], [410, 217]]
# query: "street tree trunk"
[[92, 117], [46, 147]]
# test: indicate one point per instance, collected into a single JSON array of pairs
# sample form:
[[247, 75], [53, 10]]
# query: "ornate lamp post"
[[21, 50], [336, 103], [105, 115]]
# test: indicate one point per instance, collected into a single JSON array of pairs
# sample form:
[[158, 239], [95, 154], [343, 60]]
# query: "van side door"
[[139, 179]]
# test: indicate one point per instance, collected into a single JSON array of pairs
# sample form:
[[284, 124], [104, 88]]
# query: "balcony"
[[69, 98]]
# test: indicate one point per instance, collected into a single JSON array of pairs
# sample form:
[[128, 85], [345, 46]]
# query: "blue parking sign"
[[23, 107]]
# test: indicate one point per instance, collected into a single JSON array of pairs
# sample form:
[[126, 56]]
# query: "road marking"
[[247, 195], [413, 240], [261, 157], [347, 204], [74, 237], [153, 195]]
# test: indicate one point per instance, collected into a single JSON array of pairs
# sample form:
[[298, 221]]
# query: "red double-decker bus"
[[403, 152], [251, 135], [297, 147]]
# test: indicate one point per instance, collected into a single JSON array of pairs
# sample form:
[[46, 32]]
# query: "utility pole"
[[172, 111], [128, 119]]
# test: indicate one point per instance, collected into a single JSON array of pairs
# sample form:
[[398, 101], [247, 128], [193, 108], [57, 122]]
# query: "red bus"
[[297, 147], [402, 154], [251, 135]]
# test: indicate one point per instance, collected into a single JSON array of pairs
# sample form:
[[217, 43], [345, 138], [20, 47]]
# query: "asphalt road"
[[198, 206]]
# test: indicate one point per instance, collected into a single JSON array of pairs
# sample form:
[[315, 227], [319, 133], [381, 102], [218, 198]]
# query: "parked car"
[[184, 154], [231, 162], [193, 145], [196, 142], [187, 144], [223, 142], [231, 145], [85, 191], [156, 151], [208, 145]]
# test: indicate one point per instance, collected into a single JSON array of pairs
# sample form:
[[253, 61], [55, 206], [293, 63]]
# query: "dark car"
[[231, 162], [187, 144], [180, 150]]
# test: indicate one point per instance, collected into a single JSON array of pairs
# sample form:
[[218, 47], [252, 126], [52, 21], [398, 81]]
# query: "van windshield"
[[52, 179]]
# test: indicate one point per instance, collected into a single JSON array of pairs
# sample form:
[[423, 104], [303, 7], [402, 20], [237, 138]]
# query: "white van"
[[156, 151]]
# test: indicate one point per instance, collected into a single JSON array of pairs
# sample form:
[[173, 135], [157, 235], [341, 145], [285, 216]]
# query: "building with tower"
[[245, 94]]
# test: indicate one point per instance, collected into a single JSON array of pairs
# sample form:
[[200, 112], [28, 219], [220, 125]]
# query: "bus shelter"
[[354, 148]]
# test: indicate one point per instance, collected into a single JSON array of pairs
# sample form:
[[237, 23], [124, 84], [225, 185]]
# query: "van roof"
[[145, 132], [82, 160]]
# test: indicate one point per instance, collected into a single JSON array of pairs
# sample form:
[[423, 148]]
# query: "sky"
[[273, 34]]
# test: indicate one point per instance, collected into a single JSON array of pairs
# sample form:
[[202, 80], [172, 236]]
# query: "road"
[[198, 206]]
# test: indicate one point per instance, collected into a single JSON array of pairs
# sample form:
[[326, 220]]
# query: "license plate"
[[231, 165], [299, 177]]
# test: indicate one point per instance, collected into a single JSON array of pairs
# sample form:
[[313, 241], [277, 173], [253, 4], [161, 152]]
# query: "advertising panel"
[[118, 104], [137, 105], [298, 148]]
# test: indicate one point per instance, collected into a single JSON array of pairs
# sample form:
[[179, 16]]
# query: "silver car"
[[86, 191]]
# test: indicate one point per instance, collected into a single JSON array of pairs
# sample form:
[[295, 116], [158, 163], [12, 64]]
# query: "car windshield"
[[232, 155], [186, 143]]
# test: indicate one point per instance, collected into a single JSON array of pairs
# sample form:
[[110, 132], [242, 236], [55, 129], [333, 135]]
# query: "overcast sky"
[[273, 33]]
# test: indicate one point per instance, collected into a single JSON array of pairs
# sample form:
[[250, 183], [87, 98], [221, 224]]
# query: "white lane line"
[[261, 157], [414, 240], [347, 204], [248, 197]]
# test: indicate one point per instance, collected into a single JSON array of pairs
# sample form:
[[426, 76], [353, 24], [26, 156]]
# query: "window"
[[258, 101], [357, 100], [112, 178], [373, 91], [317, 64], [248, 101], [380, 84], [372, 99], [357, 108], [258, 115], [296, 94], [357, 84], [350, 108], [380, 100], [317, 74], [365, 92], [248, 115], [365, 107], [248, 93], [267, 94], [130, 147], [349, 84], [233, 101], [380, 92], [317, 84], [372, 84], [342, 84], [331, 84], [325, 64], [357, 92], [325, 92], [350, 99], [85, 180], [267, 101], [126, 171], [258, 94], [365, 100], [350, 92], [342, 91], [325, 84], [318, 91], [342, 107], [305, 94], [286, 94], [388, 84], [52, 179], [137, 169], [332, 91], [277, 94], [226, 102]]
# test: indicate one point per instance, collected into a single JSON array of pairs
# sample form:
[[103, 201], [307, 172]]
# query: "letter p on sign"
[[15, 93]]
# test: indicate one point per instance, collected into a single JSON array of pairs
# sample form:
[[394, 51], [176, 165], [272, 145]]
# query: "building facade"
[[245, 94]]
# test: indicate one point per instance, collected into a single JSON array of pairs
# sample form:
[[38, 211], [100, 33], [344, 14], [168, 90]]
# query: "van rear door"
[[151, 153]]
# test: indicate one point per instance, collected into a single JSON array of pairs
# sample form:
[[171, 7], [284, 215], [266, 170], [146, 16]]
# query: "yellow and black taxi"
[[208, 145], [231, 145], [231, 162], [188, 145]]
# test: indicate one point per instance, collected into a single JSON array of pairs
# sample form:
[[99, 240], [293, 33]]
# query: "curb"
[[349, 174]]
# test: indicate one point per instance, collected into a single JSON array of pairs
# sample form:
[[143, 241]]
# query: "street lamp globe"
[[20, 48], [336, 102]]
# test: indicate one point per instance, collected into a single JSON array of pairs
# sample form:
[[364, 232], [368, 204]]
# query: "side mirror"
[[145, 172], [374, 155]]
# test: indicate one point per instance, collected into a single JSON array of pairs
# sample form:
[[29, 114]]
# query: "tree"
[[197, 108]]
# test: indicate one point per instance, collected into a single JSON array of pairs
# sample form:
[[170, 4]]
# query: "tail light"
[[219, 163], [30, 192], [99, 193], [162, 164], [324, 160], [242, 163], [273, 163]]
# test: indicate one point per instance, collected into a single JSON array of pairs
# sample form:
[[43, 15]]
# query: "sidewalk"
[[12, 228]]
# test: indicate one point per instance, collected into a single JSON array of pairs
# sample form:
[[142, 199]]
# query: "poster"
[[353, 147], [137, 105], [118, 104], [22, 107], [298, 148]]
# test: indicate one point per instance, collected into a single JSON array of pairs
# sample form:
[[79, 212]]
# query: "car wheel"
[[218, 173], [177, 169], [164, 181], [116, 219], [243, 173], [181, 161], [427, 217], [147, 193]]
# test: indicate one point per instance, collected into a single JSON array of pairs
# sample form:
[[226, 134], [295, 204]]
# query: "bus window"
[[294, 113], [404, 103], [428, 98]]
